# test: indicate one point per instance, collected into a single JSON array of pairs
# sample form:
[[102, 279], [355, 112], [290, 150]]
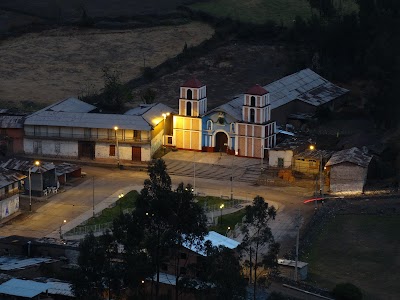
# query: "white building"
[[10, 183], [71, 128]]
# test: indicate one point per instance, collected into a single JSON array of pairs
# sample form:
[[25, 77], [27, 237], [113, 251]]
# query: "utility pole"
[[93, 195], [233, 157], [194, 173], [297, 245]]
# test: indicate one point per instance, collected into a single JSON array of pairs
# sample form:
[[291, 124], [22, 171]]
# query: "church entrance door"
[[221, 142]]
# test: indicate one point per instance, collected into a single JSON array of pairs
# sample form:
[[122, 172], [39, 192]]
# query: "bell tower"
[[193, 98], [256, 108]]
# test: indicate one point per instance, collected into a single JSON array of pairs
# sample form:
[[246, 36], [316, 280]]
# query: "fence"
[[235, 203]]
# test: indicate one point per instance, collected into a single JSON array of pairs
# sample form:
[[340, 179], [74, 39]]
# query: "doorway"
[[221, 142], [136, 153], [86, 150]]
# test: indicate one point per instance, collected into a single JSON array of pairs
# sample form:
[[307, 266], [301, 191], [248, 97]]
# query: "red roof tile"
[[257, 90], [193, 83]]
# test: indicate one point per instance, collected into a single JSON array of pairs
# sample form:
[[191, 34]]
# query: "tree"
[[115, 94], [257, 235], [347, 291], [148, 96], [97, 273], [221, 267], [170, 218]]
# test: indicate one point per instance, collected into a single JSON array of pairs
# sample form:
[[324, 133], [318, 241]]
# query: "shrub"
[[347, 291]]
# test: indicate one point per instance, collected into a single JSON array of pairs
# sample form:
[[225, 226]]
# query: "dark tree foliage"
[[98, 273], [170, 218], [347, 291], [221, 267], [148, 96], [257, 234]]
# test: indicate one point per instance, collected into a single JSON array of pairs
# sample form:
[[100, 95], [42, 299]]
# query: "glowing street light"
[[120, 196], [227, 230], [312, 147], [35, 164], [61, 236], [116, 143], [221, 207]]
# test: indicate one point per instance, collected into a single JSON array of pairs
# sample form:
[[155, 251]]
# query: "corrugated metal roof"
[[216, 239], [12, 121], [305, 85], [8, 263], [72, 105], [314, 154], [22, 165], [8, 177], [59, 288], [291, 143], [22, 288], [291, 263], [65, 168], [88, 120], [352, 155], [152, 113], [232, 108]]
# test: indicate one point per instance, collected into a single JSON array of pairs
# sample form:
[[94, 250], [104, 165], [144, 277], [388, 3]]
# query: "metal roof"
[[151, 113], [314, 154], [352, 155], [8, 263], [12, 121], [165, 278], [291, 263], [23, 288], [8, 177], [305, 85], [70, 104], [216, 239], [88, 120], [24, 165], [291, 143], [232, 108], [59, 288], [65, 168]]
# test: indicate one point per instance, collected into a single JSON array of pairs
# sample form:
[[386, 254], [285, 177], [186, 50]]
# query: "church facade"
[[241, 127]]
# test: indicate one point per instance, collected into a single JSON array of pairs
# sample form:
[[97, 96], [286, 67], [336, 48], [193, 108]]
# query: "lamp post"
[[165, 115], [120, 196], [65, 221], [262, 158], [227, 230], [194, 173], [36, 163], [221, 207], [116, 143], [312, 147]]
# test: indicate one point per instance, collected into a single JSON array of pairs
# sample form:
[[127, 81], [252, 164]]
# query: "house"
[[309, 161], [10, 185], [302, 92], [287, 268], [348, 170], [41, 176], [73, 129], [12, 132], [282, 155], [66, 171], [241, 127]]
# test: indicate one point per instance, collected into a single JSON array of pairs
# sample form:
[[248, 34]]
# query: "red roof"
[[257, 90], [193, 83]]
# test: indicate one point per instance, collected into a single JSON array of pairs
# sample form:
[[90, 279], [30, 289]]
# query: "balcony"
[[84, 137]]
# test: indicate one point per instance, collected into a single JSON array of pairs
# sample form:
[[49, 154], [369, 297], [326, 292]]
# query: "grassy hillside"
[[260, 11]]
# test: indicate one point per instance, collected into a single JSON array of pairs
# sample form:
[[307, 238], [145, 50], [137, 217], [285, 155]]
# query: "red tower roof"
[[257, 90], [193, 83]]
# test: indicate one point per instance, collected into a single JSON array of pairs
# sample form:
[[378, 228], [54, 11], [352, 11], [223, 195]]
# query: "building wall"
[[16, 142], [347, 177], [306, 165], [281, 113], [274, 155], [9, 206], [51, 147], [187, 132]]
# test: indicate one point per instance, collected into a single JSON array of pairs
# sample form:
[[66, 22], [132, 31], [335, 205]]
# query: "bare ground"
[[227, 71], [55, 64]]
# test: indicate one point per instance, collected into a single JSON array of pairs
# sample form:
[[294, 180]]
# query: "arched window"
[[189, 108], [252, 115], [253, 101], [209, 125], [189, 95]]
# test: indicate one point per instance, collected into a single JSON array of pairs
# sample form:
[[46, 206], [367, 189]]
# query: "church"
[[241, 127]]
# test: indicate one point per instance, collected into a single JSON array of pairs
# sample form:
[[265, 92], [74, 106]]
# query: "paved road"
[[75, 201]]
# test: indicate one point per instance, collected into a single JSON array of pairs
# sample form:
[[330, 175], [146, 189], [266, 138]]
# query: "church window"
[[253, 101], [209, 125], [189, 108], [252, 115], [189, 95]]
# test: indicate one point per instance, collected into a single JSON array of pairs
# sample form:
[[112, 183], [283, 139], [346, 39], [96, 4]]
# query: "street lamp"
[[116, 142], [36, 164], [312, 147], [227, 230], [120, 196], [221, 207], [65, 221], [165, 115]]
